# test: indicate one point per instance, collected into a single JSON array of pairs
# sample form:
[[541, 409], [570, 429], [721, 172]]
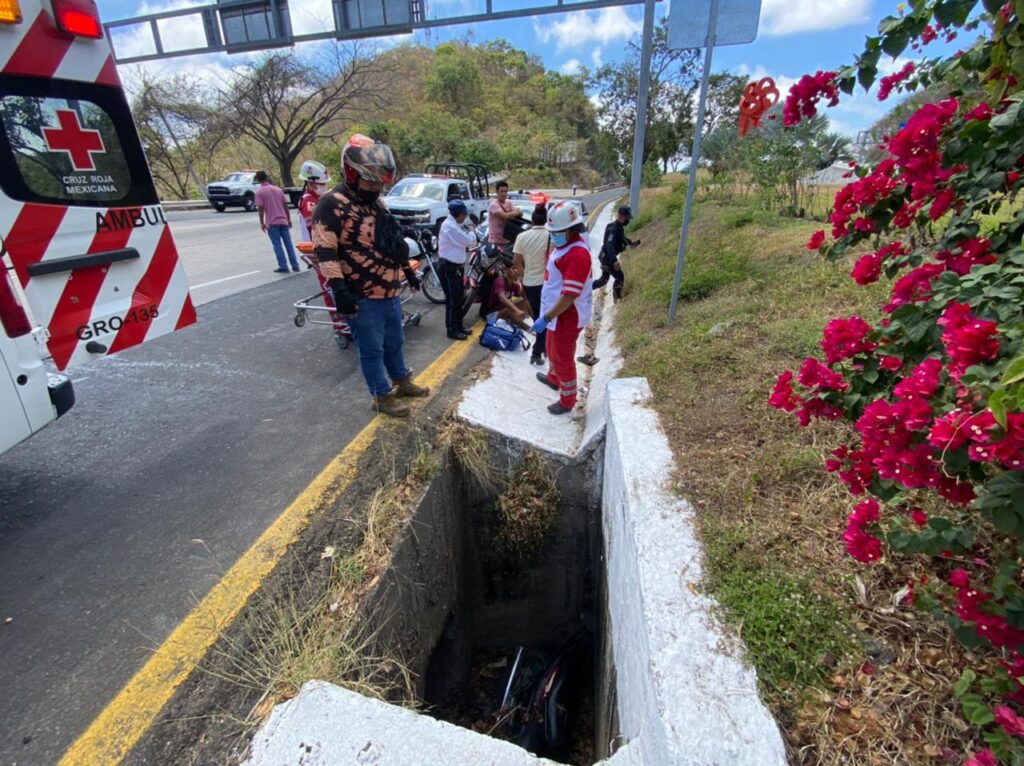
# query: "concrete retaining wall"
[[684, 696]]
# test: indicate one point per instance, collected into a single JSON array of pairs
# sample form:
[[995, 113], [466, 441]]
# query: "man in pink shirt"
[[276, 221], [498, 212]]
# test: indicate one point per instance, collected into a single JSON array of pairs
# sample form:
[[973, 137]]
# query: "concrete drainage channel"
[[560, 538]]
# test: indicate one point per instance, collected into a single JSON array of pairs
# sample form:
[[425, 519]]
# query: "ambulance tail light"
[[77, 17], [10, 12], [12, 315]]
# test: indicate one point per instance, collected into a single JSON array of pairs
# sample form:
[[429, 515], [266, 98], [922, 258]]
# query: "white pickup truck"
[[238, 189], [422, 198]]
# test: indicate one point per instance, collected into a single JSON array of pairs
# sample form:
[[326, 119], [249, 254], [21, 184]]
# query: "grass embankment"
[[851, 678]]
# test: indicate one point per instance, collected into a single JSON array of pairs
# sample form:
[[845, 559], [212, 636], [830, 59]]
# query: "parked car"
[[238, 189], [422, 198]]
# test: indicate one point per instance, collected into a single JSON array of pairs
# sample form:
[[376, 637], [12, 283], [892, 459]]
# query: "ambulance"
[[89, 265]]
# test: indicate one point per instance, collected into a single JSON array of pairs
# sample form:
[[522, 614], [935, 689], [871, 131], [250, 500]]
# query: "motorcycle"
[[423, 247]]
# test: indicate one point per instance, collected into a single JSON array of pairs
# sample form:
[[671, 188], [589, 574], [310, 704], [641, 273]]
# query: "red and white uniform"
[[306, 205], [568, 272]]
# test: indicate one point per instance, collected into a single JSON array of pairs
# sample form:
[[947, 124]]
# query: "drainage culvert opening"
[[516, 657]]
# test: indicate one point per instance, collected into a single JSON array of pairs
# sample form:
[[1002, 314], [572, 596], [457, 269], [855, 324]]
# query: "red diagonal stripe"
[[31, 234], [148, 293], [108, 75], [41, 50], [74, 308], [187, 315]]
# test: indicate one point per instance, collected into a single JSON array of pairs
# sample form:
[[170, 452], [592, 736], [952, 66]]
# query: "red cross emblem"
[[79, 144]]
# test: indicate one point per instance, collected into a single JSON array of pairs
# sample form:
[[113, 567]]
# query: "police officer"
[[453, 240], [615, 242]]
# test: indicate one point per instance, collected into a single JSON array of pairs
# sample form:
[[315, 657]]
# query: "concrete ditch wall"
[[683, 693]]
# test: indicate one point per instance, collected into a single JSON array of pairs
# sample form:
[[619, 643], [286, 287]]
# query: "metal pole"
[[640, 124], [709, 47]]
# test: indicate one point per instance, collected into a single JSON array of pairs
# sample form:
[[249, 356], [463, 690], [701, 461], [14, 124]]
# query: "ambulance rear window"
[[70, 143]]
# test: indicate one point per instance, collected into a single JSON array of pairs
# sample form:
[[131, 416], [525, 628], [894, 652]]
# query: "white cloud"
[[595, 56], [787, 17], [571, 67], [579, 28]]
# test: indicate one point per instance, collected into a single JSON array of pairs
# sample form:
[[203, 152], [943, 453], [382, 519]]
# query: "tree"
[[778, 158], [455, 80], [722, 108], [674, 78], [177, 128], [285, 103]]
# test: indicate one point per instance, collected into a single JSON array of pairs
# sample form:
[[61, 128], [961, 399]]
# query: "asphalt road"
[[118, 518], [224, 253]]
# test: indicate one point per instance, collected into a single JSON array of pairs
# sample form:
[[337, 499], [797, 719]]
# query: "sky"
[[794, 37]]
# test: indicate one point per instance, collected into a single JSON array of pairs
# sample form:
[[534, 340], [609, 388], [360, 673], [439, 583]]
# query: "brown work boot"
[[405, 387], [387, 404]]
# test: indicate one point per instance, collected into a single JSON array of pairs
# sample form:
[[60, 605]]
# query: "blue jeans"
[[279, 234], [377, 331]]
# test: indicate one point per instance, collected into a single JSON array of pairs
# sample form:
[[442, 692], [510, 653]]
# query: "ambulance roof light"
[[78, 17], [10, 12]]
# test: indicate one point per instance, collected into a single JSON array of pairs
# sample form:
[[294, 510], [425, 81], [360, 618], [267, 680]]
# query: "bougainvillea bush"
[[935, 389]]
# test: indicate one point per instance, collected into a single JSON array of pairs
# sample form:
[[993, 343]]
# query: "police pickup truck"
[[422, 198]]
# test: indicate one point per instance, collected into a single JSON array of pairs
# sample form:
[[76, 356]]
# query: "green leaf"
[[1007, 119], [895, 43], [1005, 520], [997, 404], [1014, 371], [939, 524], [992, 6], [966, 679], [953, 12]]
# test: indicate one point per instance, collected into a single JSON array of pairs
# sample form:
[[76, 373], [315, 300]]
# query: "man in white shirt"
[[530, 254], [453, 240]]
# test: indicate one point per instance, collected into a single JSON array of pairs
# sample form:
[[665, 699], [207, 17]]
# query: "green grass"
[[787, 625]]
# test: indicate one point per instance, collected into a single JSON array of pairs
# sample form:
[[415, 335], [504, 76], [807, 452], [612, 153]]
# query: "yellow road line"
[[123, 722]]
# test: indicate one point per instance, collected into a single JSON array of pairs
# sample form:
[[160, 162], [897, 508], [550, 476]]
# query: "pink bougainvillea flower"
[[981, 112], [891, 81], [867, 269], [782, 396], [913, 287], [968, 339], [890, 363], [804, 95], [816, 241], [959, 578], [1011, 723], [919, 517], [813, 374], [982, 758], [845, 338]]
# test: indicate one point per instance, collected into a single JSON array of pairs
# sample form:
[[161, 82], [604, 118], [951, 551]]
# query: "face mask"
[[368, 197], [559, 238]]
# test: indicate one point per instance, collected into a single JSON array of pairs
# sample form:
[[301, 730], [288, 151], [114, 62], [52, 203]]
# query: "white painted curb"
[[685, 696]]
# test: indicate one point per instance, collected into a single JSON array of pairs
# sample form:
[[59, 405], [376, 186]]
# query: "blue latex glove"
[[539, 326]]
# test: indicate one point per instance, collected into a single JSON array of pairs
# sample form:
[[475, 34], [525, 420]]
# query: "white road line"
[[225, 279]]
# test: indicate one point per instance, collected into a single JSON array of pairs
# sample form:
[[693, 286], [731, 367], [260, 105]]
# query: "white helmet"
[[564, 215], [312, 170]]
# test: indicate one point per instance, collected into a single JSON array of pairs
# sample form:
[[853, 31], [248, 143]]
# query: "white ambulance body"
[[89, 266]]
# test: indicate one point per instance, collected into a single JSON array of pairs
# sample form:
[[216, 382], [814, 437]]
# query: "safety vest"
[[554, 284]]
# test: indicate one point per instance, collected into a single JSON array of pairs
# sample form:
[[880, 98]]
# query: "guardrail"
[[186, 204]]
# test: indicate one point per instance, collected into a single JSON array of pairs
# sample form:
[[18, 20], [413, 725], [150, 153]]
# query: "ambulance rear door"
[[85, 233]]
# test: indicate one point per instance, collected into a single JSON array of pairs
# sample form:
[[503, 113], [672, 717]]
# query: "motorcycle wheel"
[[430, 283]]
